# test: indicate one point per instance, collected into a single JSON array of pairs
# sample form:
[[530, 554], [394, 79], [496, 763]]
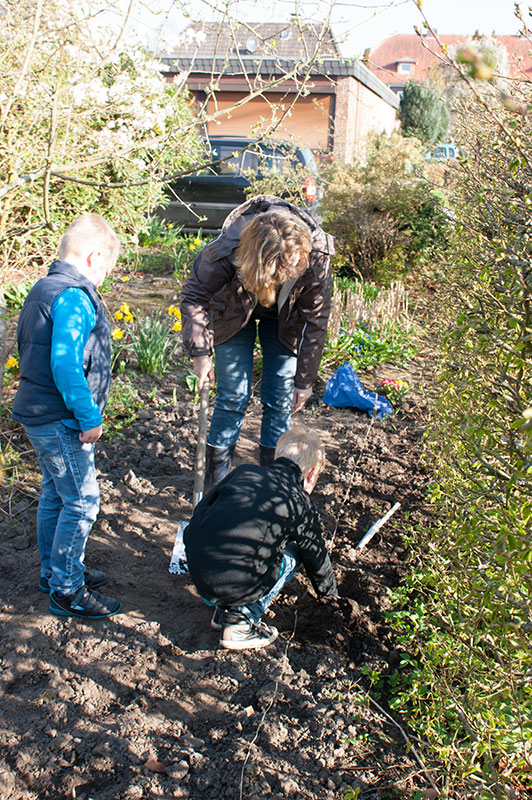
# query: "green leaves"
[[367, 346], [465, 618], [154, 342], [423, 113]]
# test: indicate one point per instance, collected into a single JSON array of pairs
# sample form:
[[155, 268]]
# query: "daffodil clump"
[[174, 311], [151, 337], [124, 313], [12, 364], [185, 249]]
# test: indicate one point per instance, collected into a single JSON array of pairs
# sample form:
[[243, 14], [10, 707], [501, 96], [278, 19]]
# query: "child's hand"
[[92, 435]]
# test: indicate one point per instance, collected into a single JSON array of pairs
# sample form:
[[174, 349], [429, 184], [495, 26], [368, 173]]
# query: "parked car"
[[442, 152], [204, 199]]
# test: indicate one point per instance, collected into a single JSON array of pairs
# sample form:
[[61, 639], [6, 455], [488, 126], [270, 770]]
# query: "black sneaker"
[[245, 635], [84, 603], [217, 617], [93, 578]]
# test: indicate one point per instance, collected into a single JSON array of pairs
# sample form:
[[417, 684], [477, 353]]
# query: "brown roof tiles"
[[422, 54]]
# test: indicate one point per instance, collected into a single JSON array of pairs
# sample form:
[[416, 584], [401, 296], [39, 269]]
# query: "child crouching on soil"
[[64, 348], [249, 534]]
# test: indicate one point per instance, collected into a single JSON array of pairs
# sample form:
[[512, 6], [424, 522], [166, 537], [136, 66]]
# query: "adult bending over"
[[269, 271]]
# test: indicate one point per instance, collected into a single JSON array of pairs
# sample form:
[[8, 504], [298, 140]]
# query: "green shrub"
[[382, 206], [423, 113], [367, 346], [368, 325], [467, 622]]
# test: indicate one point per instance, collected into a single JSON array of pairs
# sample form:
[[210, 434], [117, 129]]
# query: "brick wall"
[[359, 111]]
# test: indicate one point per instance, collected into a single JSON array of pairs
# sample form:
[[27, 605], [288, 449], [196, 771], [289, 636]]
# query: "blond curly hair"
[[274, 246]]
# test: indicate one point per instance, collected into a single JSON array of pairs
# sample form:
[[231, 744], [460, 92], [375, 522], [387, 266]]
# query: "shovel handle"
[[199, 475]]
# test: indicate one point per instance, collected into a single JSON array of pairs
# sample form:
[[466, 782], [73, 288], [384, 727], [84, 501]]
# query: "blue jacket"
[[38, 400]]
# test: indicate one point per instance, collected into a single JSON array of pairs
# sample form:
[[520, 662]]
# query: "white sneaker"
[[247, 635]]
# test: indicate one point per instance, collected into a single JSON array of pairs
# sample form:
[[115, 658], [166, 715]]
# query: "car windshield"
[[227, 155], [234, 160]]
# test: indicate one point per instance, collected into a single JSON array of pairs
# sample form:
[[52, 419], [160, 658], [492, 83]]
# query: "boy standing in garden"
[[64, 348], [249, 534]]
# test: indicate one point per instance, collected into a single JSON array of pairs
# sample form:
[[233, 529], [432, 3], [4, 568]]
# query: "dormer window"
[[406, 66]]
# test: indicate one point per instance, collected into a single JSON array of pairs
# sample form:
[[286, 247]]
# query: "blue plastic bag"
[[344, 390]]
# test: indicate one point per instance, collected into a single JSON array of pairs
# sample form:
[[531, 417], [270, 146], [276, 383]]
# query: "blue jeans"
[[69, 503], [234, 373], [254, 611]]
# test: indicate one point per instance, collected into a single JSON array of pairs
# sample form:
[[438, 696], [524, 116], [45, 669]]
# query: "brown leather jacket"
[[213, 290]]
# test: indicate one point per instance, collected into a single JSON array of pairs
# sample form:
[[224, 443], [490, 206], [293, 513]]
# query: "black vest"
[[37, 400]]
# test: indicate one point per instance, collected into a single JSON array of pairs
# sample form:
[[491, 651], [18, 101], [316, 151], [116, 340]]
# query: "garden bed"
[[90, 710]]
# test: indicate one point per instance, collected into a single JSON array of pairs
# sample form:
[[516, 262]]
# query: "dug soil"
[[146, 704]]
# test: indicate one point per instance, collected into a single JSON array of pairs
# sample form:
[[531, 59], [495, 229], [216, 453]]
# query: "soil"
[[146, 704]]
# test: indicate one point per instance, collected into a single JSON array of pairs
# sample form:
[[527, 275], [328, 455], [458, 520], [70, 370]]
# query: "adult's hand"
[[90, 436], [204, 369], [299, 398]]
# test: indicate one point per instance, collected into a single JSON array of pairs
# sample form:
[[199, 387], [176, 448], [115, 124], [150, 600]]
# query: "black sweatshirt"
[[239, 531]]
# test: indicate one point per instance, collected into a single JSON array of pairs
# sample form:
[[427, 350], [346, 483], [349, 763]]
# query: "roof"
[[270, 67], [294, 40], [228, 50], [423, 51]]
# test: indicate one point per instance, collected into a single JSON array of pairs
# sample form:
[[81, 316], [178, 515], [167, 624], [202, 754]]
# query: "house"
[[409, 57], [245, 77]]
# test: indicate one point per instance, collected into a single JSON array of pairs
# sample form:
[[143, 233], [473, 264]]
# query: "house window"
[[405, 67]]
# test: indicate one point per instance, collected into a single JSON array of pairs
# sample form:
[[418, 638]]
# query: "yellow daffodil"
[[12, 363], [124, 308], [174, 311], [176, 326], [117, 333], [119, 315], [125, 278], [197, 242], [128, 317], [192, 247]]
